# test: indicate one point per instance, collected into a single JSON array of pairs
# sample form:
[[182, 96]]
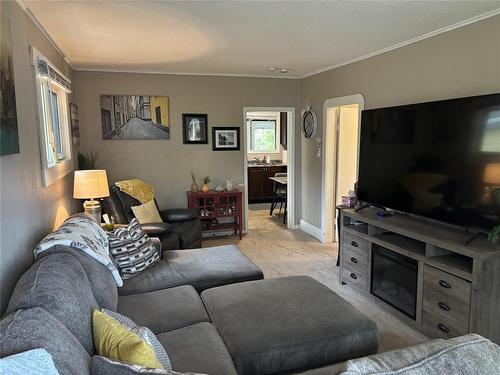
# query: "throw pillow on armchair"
[[181, 229]]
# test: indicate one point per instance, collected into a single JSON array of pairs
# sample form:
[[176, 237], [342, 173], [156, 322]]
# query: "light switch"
[[318, 140]]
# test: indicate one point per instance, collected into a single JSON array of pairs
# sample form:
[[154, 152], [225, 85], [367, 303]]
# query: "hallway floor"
[[279, 252]]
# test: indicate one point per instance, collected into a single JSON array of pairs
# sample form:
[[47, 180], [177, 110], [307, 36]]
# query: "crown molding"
[[138, 71], [37, 23], [442, 30]]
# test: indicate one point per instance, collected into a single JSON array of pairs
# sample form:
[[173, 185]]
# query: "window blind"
[[46, 71]]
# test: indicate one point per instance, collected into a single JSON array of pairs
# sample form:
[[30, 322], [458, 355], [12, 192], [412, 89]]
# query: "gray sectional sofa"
[[210, 309]]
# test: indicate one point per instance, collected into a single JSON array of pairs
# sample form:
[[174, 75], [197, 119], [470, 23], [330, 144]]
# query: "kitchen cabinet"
[[260, 187]]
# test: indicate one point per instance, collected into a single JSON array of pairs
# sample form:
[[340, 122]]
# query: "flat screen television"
[[439, 160]]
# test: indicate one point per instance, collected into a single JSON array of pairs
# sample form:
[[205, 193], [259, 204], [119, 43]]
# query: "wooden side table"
[[213, 205]]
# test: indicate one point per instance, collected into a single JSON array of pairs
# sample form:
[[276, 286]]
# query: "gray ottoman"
[[288, 324]]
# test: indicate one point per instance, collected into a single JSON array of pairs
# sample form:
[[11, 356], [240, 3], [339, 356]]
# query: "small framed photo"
[[195, 128], [225, 139], [75, 123]]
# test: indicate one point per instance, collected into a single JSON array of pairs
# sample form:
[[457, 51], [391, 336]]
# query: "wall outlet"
[[318, 152]]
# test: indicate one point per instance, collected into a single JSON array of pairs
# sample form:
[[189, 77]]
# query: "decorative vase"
[[229, 184], [204, 188], [194, 187]]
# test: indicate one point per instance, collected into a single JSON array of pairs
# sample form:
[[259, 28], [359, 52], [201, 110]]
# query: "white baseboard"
[[311, 229]]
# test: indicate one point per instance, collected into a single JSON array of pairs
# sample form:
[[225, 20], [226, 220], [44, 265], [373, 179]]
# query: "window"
[[53, 108], [491, 135], [262, 136]]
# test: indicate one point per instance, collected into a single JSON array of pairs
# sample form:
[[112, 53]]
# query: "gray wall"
[[167, 163], [28, 210], [462, 62]]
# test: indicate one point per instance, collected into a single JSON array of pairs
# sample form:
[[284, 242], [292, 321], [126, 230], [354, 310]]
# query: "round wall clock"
[[309, 123]]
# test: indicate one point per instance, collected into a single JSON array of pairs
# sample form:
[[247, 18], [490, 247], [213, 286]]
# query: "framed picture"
[[75, 123], [126, 117], [195, 128], [225, 139], [9, 134]]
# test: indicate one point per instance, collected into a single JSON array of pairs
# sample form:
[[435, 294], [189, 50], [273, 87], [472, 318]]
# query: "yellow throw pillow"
[[147, 213], [115, 341]]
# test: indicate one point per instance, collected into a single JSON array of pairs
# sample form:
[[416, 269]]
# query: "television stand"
[[362, 207], [457, 285], [475, 236]]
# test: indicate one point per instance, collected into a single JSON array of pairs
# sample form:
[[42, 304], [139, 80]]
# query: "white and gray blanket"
[[83, 233]]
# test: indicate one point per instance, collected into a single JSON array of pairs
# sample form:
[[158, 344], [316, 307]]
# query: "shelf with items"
[[213, 205]]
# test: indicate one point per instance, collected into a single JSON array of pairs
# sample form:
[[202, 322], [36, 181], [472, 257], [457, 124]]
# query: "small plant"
[[206, 180], [87, 161], [494, 234]]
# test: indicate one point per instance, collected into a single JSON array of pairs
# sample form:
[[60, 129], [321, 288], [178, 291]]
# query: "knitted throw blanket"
[[137, 189]]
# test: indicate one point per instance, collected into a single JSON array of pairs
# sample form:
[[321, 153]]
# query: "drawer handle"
[[353, 276], [354, 260], [443, 328], [354, 243], [444, 284], [444, 306]]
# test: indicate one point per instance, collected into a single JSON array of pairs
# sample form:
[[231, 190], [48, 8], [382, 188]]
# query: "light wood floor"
[[282, 252]]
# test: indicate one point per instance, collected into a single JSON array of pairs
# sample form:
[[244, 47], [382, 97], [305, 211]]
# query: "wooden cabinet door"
[[255, 186]]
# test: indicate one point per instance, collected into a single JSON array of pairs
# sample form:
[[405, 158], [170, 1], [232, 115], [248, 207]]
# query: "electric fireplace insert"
[[394, 280]]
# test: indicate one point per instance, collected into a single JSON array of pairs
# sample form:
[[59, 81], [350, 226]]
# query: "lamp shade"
[[492, 174], [90, 184]]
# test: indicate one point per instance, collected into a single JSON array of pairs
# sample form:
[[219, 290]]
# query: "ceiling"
[[241, 37]]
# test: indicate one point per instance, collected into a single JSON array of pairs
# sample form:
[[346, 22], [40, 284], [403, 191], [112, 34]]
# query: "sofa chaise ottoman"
[[201, 268], [288, 324]]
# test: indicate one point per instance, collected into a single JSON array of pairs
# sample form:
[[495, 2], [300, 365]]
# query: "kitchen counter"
[[260, 165]]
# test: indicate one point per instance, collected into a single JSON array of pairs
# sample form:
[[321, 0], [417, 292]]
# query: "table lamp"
[[91, 184], [492, 179]]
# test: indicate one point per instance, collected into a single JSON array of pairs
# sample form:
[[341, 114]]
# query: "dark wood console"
[[458, 285]]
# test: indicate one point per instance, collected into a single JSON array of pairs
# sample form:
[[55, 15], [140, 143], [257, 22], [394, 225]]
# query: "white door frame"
[[328, 163], [290, 142]]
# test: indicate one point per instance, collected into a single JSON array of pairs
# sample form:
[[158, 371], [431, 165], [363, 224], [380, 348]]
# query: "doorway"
[[268, 139], [341, 129]]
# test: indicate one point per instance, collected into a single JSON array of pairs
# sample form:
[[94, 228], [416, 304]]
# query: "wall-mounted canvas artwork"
[[75, 123], [135, 117], [9, 135]]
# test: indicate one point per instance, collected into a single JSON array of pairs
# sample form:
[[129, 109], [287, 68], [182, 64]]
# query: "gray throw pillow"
[[146, 334], [132, 249], [105, 366], [463, 355]]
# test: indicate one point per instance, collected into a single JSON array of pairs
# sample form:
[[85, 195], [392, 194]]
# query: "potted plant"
[[494, 234], [87, 161], [206, 181]]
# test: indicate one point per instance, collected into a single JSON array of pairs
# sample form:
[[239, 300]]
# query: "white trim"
[[328, 163], [50, 174], [311, 229], [290, 161], [416, 39], [132, 71], [37, 23]]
